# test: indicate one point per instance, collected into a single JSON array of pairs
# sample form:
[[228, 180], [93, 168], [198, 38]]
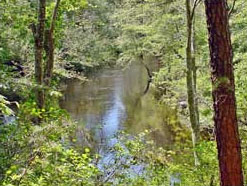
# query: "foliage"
[[89, 44], [95, 34], [138, 161], [16, 17], [15, 36], [240, 48], [4, 106], [204, 174], [42, 154]]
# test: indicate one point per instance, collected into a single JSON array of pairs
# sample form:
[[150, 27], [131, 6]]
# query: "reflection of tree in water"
[[144, 112]]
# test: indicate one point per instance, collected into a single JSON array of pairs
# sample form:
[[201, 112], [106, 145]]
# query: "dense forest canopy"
[[172, 74]]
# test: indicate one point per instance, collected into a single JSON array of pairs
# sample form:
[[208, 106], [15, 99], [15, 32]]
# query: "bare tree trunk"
[[227, 135], [191, 78], [38, 32], [49, 47], [194, 68]]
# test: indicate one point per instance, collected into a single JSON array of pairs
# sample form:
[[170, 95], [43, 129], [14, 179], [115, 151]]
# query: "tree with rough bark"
[[38, 33], [222, 76]]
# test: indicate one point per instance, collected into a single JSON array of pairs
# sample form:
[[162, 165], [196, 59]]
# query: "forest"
[[123, 92]]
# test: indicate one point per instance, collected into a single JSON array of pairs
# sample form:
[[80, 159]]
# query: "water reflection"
[[113, 100]]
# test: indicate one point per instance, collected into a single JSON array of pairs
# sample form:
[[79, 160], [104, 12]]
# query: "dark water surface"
[[114, 100]]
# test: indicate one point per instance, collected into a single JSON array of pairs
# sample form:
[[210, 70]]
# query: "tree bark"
[[191, 79], [49, 63], [38, 32], [227, 135]]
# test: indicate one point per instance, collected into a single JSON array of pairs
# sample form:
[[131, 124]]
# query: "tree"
[[222, 76], [191, 74], [49, 46], [38, 33], [44, 42]]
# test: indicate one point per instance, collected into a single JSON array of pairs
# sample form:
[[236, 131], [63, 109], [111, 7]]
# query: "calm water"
[[114, 100]]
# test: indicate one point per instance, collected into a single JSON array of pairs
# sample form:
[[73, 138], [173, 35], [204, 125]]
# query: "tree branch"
[[54, 16], [232, 8], [196, 3]]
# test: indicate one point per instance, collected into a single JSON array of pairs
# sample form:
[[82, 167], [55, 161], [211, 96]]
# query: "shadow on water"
[[114, 100]]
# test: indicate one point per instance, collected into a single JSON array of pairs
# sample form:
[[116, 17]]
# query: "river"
[[116, 99]]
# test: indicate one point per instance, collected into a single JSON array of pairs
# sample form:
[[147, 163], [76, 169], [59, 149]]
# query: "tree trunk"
[[194, 69], [49, 50], [227, 136], [38, 32], [49, 47], [191, 80]]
